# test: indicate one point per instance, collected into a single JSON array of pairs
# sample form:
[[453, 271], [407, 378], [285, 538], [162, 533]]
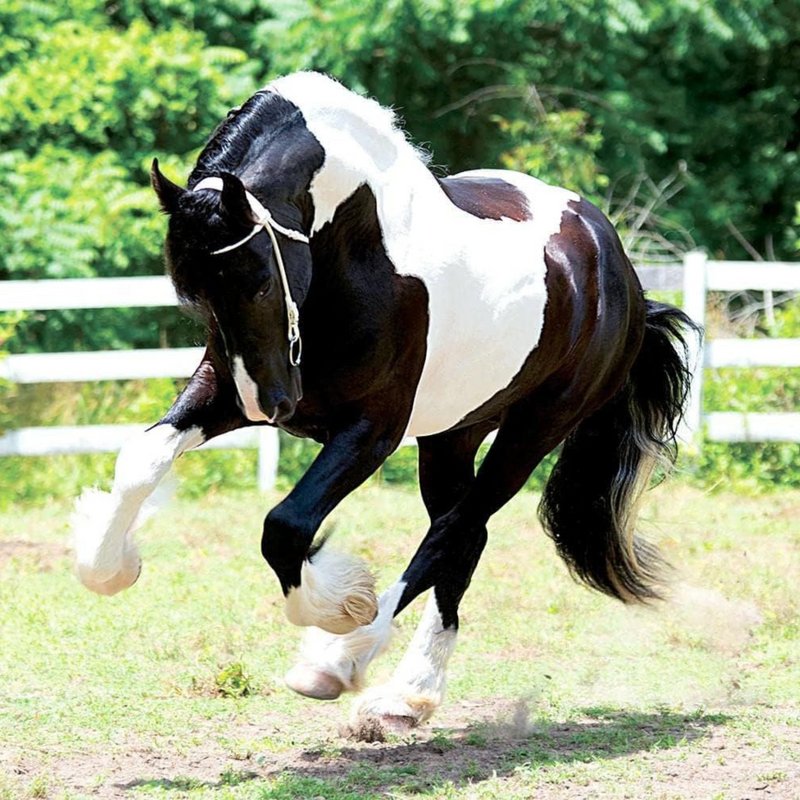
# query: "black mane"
[[244, 134]]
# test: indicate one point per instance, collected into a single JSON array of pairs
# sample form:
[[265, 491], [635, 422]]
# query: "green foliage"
[[558, 143], [591, 94], [232, 681], [136, 92], [84, 107]]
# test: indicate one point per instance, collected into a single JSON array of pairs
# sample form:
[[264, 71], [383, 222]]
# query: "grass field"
[[174, 688]]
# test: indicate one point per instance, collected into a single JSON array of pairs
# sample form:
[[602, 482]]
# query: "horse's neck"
[[357, 154]]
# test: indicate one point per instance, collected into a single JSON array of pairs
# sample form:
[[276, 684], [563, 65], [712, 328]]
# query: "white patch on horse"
[[417, 686], [102, 524], [485, 278], [336, 593], [330, 664], [248, 392]]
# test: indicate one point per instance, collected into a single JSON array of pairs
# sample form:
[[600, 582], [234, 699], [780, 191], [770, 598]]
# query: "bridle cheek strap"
[[265, 221]]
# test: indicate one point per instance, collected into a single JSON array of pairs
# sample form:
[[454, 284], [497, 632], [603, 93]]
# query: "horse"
[[353, 297]]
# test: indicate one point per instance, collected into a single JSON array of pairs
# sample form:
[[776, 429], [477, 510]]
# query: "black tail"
[[590, 501]]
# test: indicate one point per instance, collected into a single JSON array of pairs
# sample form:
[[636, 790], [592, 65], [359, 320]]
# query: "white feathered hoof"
[[397, 710], [336, 593], [113, 585], [314, 683]]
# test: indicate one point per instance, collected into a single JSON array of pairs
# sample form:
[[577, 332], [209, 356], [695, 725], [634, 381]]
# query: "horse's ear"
[[233, 202], [169, 193]]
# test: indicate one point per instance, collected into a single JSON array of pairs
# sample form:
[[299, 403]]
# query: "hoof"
[[124, 579], [396, 711], [395, 724], [314, 683]]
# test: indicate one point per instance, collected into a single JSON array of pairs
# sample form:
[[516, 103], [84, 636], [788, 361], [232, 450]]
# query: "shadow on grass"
[[488, 749], [459, 757]]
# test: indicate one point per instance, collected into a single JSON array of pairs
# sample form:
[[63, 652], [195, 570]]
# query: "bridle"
[[265, 221]]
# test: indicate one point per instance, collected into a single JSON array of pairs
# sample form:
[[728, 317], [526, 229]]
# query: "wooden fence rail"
[[694, 278]]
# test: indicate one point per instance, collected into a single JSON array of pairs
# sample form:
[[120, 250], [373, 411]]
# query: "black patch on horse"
[[487, 198]]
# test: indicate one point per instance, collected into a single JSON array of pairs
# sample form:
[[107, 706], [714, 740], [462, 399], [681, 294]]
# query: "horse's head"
[[243, 275]]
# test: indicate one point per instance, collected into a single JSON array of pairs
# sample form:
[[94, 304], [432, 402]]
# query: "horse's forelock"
[[195, 230]]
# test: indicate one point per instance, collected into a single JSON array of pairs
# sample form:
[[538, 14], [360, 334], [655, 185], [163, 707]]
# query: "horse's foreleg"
[[330, 665], [106, 558], [324, 588]]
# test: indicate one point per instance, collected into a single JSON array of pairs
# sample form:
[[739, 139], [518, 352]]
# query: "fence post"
[[268, 452], [694, 304]]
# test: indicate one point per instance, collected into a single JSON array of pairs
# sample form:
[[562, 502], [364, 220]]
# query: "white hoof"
[[336, 593], [396, 708], [314, 683], [108, 586]]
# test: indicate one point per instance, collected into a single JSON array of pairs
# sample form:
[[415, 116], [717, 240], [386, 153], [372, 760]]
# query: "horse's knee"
[[145, 459]]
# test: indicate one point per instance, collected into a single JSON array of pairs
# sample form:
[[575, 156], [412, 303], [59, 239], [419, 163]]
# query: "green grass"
[[174, 688]]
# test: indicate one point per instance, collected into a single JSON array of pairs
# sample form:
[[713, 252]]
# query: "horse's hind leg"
[[106, 558], [417, 686], [450, 552], [331, 664]]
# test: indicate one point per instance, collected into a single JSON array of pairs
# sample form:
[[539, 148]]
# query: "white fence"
[[145, 292], [701, 276], [695, 278]]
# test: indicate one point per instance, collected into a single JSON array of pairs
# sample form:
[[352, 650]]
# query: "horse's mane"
[[262, 117], [319, 94], [266, 115]]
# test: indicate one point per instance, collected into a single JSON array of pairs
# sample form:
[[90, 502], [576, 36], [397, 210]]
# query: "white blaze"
[[248, 392]]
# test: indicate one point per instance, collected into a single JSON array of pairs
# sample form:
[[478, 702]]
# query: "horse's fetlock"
[[284, 545]]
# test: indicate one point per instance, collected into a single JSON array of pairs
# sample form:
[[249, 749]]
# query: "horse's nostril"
[[285, 408]]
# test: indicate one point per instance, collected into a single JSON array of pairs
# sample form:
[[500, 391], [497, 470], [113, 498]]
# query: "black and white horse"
[[354, 298]]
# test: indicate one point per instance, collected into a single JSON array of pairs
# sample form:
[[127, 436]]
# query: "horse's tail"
[[590, 501]]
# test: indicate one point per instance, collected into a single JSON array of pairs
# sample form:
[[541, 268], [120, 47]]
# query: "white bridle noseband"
[[265, 221]]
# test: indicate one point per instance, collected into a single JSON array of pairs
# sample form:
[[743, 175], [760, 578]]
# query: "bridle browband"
[[265, 221]]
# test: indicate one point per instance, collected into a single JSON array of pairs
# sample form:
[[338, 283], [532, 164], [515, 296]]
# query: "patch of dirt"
[[40, 556], [683, 756], [369, 730]]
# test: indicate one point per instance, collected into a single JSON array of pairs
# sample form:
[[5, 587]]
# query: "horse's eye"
[[263, 291]]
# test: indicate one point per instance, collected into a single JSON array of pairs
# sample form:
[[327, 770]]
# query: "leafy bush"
[[8, 322], [585, 94]]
